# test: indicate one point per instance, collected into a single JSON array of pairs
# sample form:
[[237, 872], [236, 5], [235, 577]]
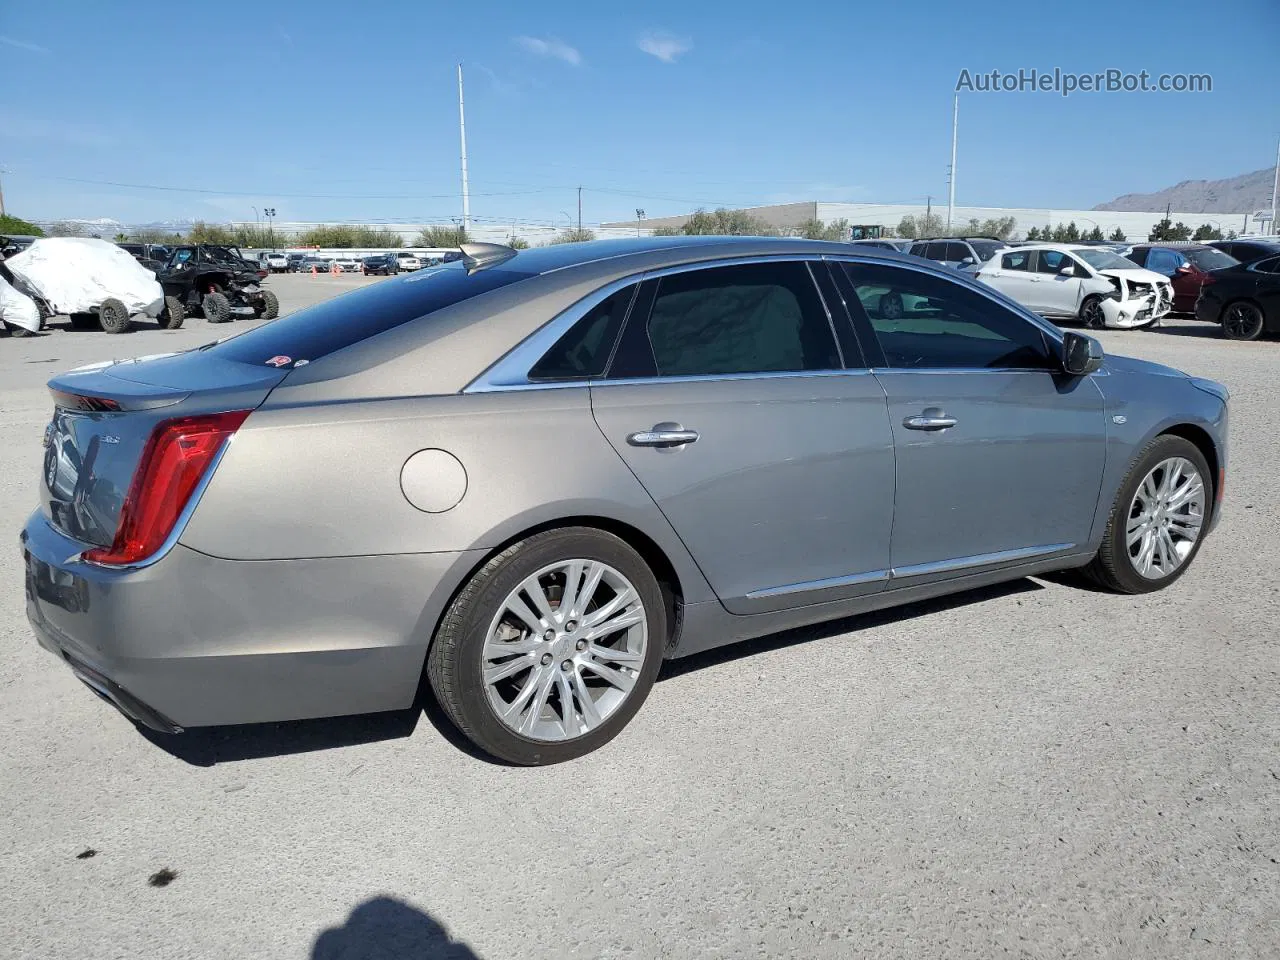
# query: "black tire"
[[1242, 320], [172, 315], [113, 316], [1112, 567], [1091, 313], [455, 664], [216, 307], [270, 306]]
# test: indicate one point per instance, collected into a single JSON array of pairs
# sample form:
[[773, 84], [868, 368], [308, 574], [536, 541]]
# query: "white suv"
[[1092, 284]]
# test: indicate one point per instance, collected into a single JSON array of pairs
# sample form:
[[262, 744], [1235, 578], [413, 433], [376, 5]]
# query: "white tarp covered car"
[[18, 312], [78, 276]]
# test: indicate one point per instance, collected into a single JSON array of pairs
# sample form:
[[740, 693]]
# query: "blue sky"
[[345, 111]]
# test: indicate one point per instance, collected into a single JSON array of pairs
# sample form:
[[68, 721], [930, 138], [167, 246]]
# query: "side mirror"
[[1068, 270], [1185, 268], [1081, 355], [968, 262]]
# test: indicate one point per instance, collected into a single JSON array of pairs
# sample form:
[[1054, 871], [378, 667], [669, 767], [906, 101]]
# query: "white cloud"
[[551, 47], [23, 45], [665, 46]]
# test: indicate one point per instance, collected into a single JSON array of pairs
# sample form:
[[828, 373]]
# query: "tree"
[[1001, 228], [1117, 235], [202, 232], [724, 222], [442, 237], [667, 232], [154, 235], [1033, 233], [1095, 234], [1164, 230], [1207, 231], [121, 237], [921, 227], [518, 243], [13, 226], [1231, 234], [814, 229], [65, 228], [573, 235], [342, 236]]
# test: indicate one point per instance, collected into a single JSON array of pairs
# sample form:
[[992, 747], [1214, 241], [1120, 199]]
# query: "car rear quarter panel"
[[306, 481], [1150, 401]]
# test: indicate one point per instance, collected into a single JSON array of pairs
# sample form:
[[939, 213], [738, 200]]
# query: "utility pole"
[[462, 133], [928, 213], [579, 210], [951, 177], [1, 197], [1275, 185]]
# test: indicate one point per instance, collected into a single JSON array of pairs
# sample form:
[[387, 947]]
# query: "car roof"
[[1173, 244]]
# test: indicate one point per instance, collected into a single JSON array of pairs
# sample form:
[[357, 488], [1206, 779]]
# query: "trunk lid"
[[103, 416]]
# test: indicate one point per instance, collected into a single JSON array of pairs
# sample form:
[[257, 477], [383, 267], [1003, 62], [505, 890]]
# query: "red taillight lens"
[[177, 455]]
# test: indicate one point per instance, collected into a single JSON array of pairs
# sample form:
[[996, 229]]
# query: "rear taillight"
[[176, 458]]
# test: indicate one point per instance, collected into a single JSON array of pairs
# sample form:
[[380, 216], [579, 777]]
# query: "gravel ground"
[[1034, 770]]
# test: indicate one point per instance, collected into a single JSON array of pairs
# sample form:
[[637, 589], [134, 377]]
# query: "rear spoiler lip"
[[126, 394]]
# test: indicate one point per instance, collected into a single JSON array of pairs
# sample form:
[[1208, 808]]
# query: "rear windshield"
[[334, 324], [1210, 259], [986, 249]]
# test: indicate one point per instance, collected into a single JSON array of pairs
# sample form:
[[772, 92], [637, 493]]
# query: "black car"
[[1249, 250], [1244, 298], [151, 255], [382, 265]]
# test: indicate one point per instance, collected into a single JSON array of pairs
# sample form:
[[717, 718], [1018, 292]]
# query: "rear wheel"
[[1242, 320], [113, 316], [551, 647], [216, 307], [172, 315], [270, 306], [1157, 521]]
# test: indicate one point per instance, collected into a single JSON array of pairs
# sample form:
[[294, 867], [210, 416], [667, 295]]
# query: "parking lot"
[[1031, 770]]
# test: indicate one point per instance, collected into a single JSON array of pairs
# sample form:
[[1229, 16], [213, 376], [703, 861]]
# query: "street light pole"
[[271, 232]]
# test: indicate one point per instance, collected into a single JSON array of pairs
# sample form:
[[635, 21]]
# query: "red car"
[[1187, 265]]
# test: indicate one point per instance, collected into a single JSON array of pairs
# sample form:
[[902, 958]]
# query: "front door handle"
[[663, 435], [931, 419]]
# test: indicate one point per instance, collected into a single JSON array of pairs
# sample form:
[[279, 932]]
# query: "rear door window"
[[1018, 260], [720, 321], [585, 350], [334, 324]]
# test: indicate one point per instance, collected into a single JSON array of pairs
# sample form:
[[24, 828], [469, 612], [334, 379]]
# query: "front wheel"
[[1242, 321], [216, 307], [1091, 314], [1158, 519], [172, 315], [270, 308], [551, 647]]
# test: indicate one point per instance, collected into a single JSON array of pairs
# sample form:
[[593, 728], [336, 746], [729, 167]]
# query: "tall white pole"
[[951, 185], [1275, 185], [462, 131]]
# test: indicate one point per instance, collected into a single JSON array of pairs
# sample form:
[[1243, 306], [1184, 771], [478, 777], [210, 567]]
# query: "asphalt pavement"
[[1033, 770]]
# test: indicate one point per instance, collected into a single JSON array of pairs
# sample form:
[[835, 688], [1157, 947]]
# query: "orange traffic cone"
[[334, 269], [314, 272]]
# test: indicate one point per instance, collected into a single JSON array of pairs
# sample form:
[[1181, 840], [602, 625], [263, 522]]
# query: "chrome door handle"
[[930, 420], [660, 436]]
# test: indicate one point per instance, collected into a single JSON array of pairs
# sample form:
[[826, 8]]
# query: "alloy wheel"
[[564, 650], [1242, 321], [1165, 518]]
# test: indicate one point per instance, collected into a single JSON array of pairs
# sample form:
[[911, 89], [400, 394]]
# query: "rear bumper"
[[197, 641], [1208, 309]]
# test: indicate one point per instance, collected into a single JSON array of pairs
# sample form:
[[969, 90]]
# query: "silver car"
[[535, 476]]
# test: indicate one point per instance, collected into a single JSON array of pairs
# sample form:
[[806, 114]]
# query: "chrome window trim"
[[511, 372]]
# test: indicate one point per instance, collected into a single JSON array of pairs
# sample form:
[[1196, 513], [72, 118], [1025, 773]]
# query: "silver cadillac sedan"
[[533, 477]]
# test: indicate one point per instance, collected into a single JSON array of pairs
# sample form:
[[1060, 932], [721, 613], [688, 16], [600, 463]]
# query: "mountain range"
[[1246, 193]]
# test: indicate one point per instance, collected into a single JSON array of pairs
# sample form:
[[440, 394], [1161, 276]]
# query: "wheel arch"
[[1203, 441], [664, 571]]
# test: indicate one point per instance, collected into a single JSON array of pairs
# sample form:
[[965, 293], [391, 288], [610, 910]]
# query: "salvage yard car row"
[[1234, 283]]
